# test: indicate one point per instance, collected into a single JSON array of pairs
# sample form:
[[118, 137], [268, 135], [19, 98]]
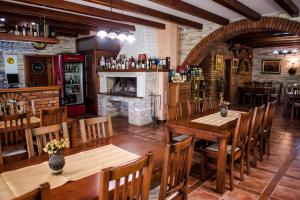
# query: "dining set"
[[240, 135]]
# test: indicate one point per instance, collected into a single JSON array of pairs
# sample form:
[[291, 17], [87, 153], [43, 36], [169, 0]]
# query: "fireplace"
[[122, 86]]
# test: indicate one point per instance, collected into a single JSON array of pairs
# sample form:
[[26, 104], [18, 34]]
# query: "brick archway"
[[236, 28]]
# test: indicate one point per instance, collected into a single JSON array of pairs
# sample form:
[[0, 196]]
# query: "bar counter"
[[39, 97]]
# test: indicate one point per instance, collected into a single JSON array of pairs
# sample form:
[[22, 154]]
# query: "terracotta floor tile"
[[293, 171], [286, 193], [253, 184], [238, 194], [261, 174], [201, 194], [291, 183]]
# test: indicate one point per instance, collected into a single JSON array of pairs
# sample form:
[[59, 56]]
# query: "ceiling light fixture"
[[102, 34], [2, 19], [131, 38]]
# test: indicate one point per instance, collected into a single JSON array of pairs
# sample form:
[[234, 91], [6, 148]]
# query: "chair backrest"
[[41, 193], [95, 128], [43, 135], [14, 128], [257, 121], [267, 84], [194, 107], [53, 116], [269, 114], [247, 84], [174, 112], [241, 132], [208, 104], [256, 84], [176, 169], [129, 182], [279, 89]]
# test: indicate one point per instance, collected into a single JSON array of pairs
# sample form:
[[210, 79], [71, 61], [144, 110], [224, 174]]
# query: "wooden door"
[[39, 70], [228, 81]]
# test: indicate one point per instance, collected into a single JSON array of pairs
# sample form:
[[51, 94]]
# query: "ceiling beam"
[[131, 7], [268, 41], [62, 16], [289, 6], [88, 10], [240, 8], [192, 10]]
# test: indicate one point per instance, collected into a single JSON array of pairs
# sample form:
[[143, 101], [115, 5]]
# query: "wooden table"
[[88, 187], [257, 90], [219, 134], [287, 98]]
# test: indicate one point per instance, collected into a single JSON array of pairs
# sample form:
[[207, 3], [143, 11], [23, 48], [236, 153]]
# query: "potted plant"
[[224, 108], [55, 148]]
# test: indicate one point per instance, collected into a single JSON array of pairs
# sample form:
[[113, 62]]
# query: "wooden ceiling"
[[266, 39], [81, 16]]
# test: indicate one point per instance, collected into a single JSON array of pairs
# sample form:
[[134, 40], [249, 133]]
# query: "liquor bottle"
[[102, 62], [132, 61], [23, 30], [37, 28], [17, 30], [34, 33], [71, 81]]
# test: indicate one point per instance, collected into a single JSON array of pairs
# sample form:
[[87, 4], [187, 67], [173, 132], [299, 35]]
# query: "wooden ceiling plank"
[[192, 10], [240, 8], [88, 10], [66, 17], [131, 7], [289, 6]]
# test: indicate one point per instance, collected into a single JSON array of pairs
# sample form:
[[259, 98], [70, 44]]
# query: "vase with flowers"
[[55, 148], [224, 108]]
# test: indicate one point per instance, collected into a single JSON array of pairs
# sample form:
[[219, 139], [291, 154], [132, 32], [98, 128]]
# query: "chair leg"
[[268, 143], [231, 168], [248, 157], [242, 167], [261, 146], [292, 114], [254, 153], [203, 166]]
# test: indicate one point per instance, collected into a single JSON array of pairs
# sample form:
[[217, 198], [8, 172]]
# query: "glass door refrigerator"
[[69, 75]]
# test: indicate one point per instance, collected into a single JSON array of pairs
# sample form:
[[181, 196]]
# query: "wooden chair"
[[267, 124], [194, 107], [174, 112], [128, 182], [53, 116], [12, 138], [90, 129], [208, 104], [277, 95], [267, 84], [254, 135], [235, 151], [295, 106], [247, 94], [43, 135], [176, 169], [41, 193]]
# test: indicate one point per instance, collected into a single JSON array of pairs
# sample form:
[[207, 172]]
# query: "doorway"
[[39, 70], [228, 81]]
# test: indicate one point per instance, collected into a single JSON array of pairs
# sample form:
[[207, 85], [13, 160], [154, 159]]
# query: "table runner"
[[77, 166], [216, 119], [32, 120]]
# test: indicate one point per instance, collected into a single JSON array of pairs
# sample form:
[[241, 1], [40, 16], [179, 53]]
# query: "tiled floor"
[[277, 177]]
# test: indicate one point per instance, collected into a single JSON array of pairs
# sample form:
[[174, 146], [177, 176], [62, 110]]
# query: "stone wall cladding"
[[200, 50], [42, 99]]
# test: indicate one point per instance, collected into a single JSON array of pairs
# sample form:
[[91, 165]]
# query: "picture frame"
[[235, 63], [271, 67], [219, 63]]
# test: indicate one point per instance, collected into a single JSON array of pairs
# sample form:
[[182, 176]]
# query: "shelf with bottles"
[[34, 32], [142, 64], [71, 79]]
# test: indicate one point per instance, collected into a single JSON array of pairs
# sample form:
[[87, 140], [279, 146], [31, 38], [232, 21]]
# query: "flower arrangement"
[[224, 104], [56, 146]]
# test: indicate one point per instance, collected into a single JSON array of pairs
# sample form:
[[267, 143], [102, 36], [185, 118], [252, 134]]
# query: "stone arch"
[[236, 28]]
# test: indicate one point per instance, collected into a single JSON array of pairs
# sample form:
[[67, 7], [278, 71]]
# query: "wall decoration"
[[235, 63], [219, 63], [292, 70], [37, 67], [10, 63], [244, 66], [271, 66]]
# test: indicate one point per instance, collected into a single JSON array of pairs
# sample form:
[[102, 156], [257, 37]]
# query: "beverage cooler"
[[69, 75]]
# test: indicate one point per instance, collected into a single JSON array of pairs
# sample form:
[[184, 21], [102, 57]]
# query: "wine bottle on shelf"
[[23, 30], [17, 30], [71, 81]]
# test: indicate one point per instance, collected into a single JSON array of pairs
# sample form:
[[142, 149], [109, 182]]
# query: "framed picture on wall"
[[234, 63], [219, 63], [271, 66]]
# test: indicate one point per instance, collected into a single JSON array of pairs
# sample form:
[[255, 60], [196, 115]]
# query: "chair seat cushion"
[[13, 150], [180, 138], [214, 147]]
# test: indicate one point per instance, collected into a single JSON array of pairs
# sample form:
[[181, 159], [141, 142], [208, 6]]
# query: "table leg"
[[285, 104], [221, 165], [74, 133]]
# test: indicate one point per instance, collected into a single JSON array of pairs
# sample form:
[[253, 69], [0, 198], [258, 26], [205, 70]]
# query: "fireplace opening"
[[122, 86]]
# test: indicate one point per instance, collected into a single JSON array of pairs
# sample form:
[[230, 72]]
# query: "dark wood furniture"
[[174, 112], [295, 106], [255, 135], [41, 193], [267, 125], [180, 93], [94, 48], [6, 36], [12, 136], [177, 166], [131, 181], [53, 116], [277, 95], [235, 151], [219, 134], [88, 187], [262, 91], [195, 107], [95, 128], [43, 135]]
